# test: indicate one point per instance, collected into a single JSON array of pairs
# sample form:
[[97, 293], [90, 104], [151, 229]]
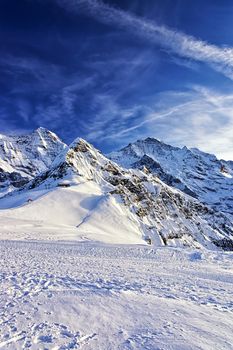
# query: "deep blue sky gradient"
[[78, 76]]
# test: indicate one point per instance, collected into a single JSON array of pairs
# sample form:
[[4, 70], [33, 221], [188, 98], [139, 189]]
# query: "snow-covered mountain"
[[23, 157], [84, 194], [199, 174]]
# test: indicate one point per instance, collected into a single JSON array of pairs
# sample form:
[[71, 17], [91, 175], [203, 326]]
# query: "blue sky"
[[116, 71]]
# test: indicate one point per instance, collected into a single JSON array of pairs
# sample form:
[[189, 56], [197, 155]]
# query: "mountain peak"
[[152, 139], [46, 133], [131, 196], [42, 129], [190, 170], [81, 145], [24, 156]]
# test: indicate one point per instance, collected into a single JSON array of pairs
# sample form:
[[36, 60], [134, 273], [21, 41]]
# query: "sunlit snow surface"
[[76, 272], [81, 212], [87, 295]]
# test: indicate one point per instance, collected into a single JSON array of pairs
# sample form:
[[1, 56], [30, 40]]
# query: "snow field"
[[98, 296]]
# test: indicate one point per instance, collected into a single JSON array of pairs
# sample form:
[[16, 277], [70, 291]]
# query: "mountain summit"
[[84, 194], [198, 174], [23, 157]]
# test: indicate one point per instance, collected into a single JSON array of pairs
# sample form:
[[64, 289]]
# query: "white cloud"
[[200, 118], [24, 109], [204, 120], [43, 72], [185, 46], [110, 123]]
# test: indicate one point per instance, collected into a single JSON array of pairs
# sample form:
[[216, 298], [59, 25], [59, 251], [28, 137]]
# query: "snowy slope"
[[63, 286], [99, 297], [196, 173], [108, 203], [23, 157], [78, 213]]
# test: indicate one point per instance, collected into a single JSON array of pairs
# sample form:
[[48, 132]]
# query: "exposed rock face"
[[24, 157], [199, 174], [156, 169], [167, 215], [14, 178], [175, 196]]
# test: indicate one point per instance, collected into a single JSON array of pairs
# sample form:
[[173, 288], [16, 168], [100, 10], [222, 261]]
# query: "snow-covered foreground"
[[96, 296]]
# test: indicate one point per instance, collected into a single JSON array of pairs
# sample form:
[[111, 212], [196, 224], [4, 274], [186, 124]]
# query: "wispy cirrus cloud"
[[179, 43], [199, 117], [111, 123], [40, 71]]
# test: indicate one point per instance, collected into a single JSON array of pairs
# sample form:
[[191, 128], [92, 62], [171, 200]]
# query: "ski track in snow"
[[97, 296]]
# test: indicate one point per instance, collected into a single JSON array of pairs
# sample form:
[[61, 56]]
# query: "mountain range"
[[146, 192], [200, 175]]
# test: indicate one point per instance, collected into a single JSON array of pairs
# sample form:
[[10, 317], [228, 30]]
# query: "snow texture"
[[94, 255], [96, 296], [84, 195]]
